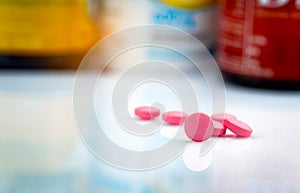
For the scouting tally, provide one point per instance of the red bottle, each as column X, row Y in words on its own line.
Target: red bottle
column 259, row 42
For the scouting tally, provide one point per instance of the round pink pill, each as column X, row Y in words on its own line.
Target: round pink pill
column 219, row 129
column 174, row 117
column 147, row 112
column 220, row 117
column 239, row 128
column 198, row 127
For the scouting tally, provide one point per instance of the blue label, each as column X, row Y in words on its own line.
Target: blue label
column 179, row 18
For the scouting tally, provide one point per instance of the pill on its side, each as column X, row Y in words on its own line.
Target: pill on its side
column 238, row 127
column 220, row 117
column 198, row 127
column 174, row 117
column 147, row 112
column 219, row 129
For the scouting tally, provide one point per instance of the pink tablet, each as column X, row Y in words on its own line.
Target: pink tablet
column 147, row 112
column 174, row 117
column 219, row 129
column 239, row 128
column 198, row 127
column 220, row 117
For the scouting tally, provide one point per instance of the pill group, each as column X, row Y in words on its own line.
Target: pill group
column 198, row 127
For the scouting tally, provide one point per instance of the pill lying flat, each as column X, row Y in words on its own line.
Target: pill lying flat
column 147, row 112
column 220, row 117
column 174, row 117
column 239, row 128
column 219, row 129
column 198, row 127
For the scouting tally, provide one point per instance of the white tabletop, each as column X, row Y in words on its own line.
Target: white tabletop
column 36, row 114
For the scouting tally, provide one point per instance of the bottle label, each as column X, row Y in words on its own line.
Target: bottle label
column 44, row 27
column 199, row 21
column 260, row 39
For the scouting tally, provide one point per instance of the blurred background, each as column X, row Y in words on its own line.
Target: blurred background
column 42, row 43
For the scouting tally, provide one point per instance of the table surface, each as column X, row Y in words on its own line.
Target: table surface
column 37, row 106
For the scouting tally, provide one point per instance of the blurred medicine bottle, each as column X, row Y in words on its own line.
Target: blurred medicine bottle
column 44, row 33
column 197, row 17
column 259, row 42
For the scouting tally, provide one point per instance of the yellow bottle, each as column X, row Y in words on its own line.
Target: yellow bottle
column 45, row 33
column 190, row 4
